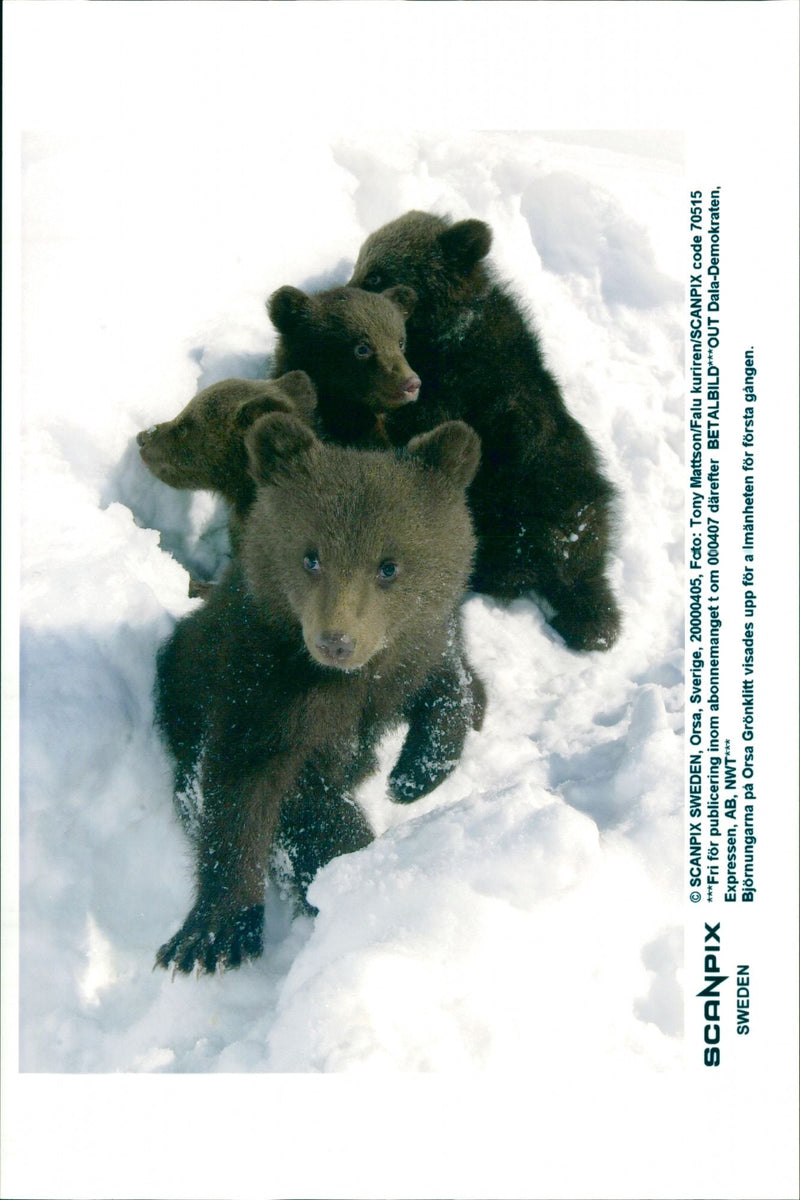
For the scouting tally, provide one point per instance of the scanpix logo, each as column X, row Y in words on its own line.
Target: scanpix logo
column 712, row 1053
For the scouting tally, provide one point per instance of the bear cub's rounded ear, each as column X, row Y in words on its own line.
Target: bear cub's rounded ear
column 274, row 443
column 453, row 448
column 465, row 244
column 287, row 307
column 300, row 390
column 293, row 393
column 250, row 410
column 405, row 298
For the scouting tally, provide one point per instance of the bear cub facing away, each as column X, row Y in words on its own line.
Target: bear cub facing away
column 338, row 619
column 540, row 503
column 352, row 344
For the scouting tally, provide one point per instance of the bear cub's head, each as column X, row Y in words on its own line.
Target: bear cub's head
column 203, row 447
column 350, row 342
column 441, row 260
column 366, row 551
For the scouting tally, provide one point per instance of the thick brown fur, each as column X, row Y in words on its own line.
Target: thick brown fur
column 541, row 505
column 352, row 344
column 338, row 620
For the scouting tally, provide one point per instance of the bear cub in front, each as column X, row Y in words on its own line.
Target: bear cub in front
column 338, row 620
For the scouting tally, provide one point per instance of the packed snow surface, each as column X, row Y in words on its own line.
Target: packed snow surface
column 527, row 913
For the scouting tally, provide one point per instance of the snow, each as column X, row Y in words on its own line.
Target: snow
column 533, row 900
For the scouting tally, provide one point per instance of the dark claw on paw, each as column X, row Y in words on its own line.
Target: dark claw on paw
column 209, row 944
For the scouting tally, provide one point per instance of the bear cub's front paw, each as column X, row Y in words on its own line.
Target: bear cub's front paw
column 591, row 622
column 411, row 780
column 216, row 938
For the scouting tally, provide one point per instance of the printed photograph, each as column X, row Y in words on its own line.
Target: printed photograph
column 352, row 604
column 399, row 623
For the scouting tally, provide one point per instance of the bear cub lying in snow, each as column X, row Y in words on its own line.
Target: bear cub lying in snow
column 338, row 619
column 352, row 344
column 540, row 503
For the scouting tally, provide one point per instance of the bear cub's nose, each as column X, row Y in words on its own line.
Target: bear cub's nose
column 338, row 647
column 412, row 386
column 144, row 437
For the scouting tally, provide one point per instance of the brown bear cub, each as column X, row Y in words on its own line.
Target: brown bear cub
column 352, row 344
column 540, row 503
column 338, row 619
column 203, row 447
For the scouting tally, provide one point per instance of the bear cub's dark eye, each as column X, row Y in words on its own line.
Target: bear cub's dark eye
column 373, row 279
column 387, row 571
column 311, row 563
column 363, row 350
column 402, row 343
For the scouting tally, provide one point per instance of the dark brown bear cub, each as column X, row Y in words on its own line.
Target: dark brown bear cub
column 540, row 503
column 352, row 344
column 338, row 620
